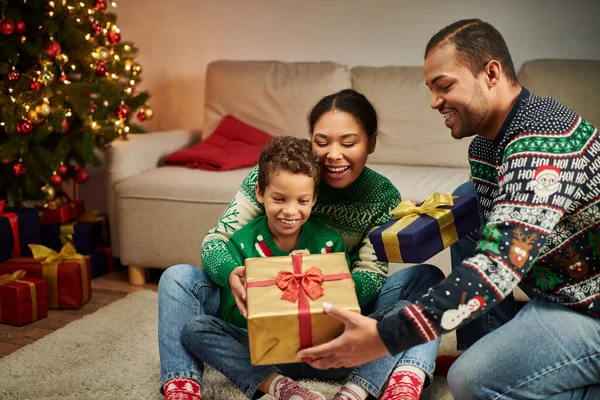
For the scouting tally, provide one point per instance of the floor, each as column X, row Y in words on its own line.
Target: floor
column 105, row 290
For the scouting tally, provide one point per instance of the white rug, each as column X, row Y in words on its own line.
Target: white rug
column 113, row 354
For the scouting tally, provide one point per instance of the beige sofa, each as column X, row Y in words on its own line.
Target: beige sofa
column 160, row 214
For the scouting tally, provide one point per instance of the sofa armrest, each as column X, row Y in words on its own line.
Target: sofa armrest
column 139, row 153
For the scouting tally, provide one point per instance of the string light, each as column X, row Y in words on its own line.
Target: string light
column 114, row 4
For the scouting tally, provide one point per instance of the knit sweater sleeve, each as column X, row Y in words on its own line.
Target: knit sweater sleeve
column 523, row 216
column 216, row 259
column 369, row 274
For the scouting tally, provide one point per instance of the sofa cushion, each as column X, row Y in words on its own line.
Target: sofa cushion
column 411, row 133
column 274, row 97
column 574, row 83
column 234, row 144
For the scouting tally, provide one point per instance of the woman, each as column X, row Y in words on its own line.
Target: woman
column 353, row 200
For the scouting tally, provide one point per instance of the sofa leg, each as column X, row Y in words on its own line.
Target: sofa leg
column 137, row 275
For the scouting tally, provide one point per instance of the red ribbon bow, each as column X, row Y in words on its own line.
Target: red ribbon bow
column 290, row 283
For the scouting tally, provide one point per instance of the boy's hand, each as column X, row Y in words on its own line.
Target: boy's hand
column 237, row 281
column 303, row 252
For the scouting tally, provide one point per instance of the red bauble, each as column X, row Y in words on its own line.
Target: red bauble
column 141, row 116
column 93, row 108
column 13, row 75
column 114, row 37
column 101, row 69
column 100, row 5
column 20, row 27
column 53, row 48
column 76, row 169
column 96, row 28
column 36, row 85
column 7, row 26
column 64, row 126
column 19, row 169
column 62, row 170
column 122, row 111
column 62, row 77
column 56, row 180
column 24, row 127
column 81, row 176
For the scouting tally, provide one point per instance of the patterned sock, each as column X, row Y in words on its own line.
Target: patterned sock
column 182, row 389
column 284, row 388
column 351, row 391
column 405, row 383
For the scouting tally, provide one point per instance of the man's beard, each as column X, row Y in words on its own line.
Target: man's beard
column 471, row 117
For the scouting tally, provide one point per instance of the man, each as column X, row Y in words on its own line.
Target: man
column 534, row 168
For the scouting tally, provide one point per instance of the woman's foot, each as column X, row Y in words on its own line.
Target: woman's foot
column 182, row 389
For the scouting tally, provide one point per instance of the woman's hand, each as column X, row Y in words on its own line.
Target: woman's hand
column 237, row 281
column 303, row 252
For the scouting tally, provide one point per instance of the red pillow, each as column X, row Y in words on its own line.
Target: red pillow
column 232, row 145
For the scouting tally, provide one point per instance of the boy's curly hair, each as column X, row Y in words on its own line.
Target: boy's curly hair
column 288, row 153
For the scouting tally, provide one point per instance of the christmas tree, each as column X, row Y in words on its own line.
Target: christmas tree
column 67, row 86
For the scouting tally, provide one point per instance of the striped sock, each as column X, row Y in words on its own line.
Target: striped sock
column 351, row 391
column 284, row 388
column 182, row 389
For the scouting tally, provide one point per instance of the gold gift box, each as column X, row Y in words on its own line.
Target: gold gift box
column 274, row 323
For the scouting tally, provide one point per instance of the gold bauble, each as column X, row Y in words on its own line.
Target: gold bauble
column 50, row 193
column 148, row 112
column 35, row 117
column 43, row 109
column 102, row 53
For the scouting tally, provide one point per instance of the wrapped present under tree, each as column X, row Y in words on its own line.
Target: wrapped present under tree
column 18, row 228
column 22, row 300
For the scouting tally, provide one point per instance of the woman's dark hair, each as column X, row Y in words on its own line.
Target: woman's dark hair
column 477, row 43
column 349, row 101
column 288, row 153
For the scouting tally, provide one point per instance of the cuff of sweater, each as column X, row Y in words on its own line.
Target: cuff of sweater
column 367, row 286
column 406, row 329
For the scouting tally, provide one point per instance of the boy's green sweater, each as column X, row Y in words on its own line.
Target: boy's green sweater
column 255, row 240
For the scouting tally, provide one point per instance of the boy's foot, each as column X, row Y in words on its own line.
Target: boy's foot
column 403, row 385
column 182, row 389
column 284, row 388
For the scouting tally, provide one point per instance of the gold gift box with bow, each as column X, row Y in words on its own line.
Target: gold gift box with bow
column 274, row 323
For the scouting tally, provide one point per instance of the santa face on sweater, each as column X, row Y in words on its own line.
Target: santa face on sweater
column 288, row 201
column 342, row 146
column 458, row 95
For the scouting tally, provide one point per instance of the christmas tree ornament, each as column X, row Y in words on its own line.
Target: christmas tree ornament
column 93, row 108
column 43, row 109
column 141, row 116
column 49, row 191
column 96, row 28
column 114, row 37
column 128, row 65
column 76, row 169
column 24, row 127
column 102, row 53
column 62, row 78
column 19, row 169
column 7, row 26
column 35, row 117
column 35, row 85
column 122, row 111
column 62, row 170
column 56, row 179
column 100, row 5
column 101, row 69
column 81, row 176
column 64, row 126
column 20, row 27
column 13, row 75
column 148, row 112
column 53, row 48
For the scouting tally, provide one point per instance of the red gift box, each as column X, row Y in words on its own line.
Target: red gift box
column 67, row 274
column 22, row 300
column 63, row 213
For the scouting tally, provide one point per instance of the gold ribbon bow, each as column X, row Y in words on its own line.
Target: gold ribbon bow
column 406, row 213
column 16, row 277
column 50, row 261
column 91, row 217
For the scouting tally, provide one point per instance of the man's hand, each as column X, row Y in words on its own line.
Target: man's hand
column 237, row 281
column 359, row 344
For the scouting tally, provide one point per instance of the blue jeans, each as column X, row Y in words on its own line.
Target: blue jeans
column 188, row 298
column 504, row 311
column 546, row 352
